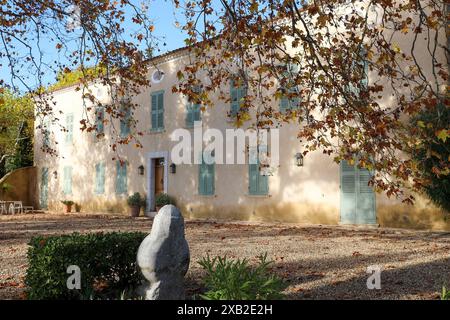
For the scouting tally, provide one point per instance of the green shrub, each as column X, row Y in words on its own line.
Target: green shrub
column 107, row 262
column 135, row 200
column 236, row 280
column 164, row 199
column 68, row 203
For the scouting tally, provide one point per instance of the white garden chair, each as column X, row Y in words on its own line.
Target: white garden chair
column 3, row 207
column 15, row 207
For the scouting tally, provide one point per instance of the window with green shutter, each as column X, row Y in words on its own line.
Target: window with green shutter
column 67, row 180
column 125, row 128
column 157, row 111
column 206, row 177
column 291, row 96
column 100, row 178
column 69, row 128
column 238, row 91
column 99, row 124
column 121, row 178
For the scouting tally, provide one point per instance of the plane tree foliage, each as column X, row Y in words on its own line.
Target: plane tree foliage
column 357, row 69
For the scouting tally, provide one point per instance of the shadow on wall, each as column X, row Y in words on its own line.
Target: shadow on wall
column 413, row 217
column 20, row 185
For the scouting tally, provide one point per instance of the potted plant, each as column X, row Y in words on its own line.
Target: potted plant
column 77, row 207
column 135, row 202
column 68, row 204
column 163, row 199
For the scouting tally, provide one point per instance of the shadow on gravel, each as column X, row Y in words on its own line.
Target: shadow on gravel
column 423, row 280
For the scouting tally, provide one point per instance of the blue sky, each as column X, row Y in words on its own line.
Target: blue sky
column 160, row 11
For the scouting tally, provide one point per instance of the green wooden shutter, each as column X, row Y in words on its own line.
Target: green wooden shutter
column 234, row 93
column 365, row 67
column 125, row 128
column 206, row 179
column 43, row 199
column 69, row 128
column 189, row 115
column 100, row 178
column 348, row 192
column 161, row 110
column 253, row 178
column 154, row 112
column 263, row 184
column 121, row 178
column 357, row 197
column 67, row 181
column 365, row 200
column 157, row 111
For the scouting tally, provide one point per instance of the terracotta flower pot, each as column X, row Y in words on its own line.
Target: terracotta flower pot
column 68, row 208
column 135, row 210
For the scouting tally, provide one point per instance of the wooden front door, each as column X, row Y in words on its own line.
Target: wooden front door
column 159, row 176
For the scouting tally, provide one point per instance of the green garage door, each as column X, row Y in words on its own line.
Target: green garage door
column 357, row 197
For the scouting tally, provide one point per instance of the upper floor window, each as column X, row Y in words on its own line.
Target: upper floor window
column 238, row 91
column 125, row 120
column 157, row 111
column 290, row 95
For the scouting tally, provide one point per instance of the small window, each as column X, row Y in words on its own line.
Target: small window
column 157, row 76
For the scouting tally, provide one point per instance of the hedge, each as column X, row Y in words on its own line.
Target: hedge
column 107, row 262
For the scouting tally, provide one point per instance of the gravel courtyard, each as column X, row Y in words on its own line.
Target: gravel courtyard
column 318, row 262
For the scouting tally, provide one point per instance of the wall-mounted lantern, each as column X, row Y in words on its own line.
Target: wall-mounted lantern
column 141, row 170
column 173, row 168
column 299, row 159
column 55, row 174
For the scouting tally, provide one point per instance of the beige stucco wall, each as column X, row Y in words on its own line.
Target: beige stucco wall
column 23, row 185
column 308, row 194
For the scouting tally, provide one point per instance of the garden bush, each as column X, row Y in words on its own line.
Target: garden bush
column 163, row 199
column 237, row 280
column 107, row 262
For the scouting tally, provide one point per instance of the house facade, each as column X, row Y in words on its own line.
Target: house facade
column 317, row 191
